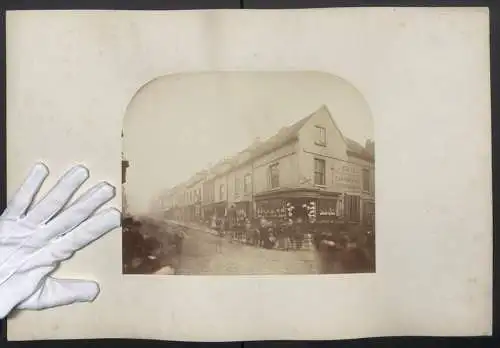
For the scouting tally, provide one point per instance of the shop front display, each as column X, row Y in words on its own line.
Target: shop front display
column 308, row 206
column 271, row 209
column 238, row 213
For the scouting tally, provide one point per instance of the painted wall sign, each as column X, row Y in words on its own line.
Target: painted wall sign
column 346, row 177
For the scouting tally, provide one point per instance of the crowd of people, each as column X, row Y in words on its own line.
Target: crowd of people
column 149, row 245
column 288, row 234
column 261, row 232
column 351, row 245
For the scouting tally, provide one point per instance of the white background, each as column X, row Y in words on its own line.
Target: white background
column 425, row 75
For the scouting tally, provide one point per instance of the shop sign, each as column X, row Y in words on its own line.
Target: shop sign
column 346, row 177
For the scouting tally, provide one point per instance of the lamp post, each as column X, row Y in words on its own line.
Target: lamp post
column 125, row 165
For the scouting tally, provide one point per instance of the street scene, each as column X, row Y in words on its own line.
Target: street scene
column 300, row 200
column 204, row 252
column 171, row 248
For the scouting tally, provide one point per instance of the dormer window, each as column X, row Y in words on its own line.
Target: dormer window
column 320, row 138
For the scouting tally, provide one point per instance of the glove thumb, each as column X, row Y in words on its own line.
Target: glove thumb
column 61, row 292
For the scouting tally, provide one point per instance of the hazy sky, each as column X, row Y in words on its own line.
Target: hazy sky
column 178, row 124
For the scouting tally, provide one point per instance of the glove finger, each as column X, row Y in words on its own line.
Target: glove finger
column 65, row 246
column 25, row 195
column 61, row 292
column 58, row 197
column 80, row 210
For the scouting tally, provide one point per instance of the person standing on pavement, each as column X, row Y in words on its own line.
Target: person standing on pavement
column 272, row 236
column 287, row 232
column 220, row 238
column 213, row 222
column 248, row 231
column 256, row 232
column 263, row 231
column 179, row 236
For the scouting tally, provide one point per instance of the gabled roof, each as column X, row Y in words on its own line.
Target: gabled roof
column 356, row 149
column 288, row 134
column 260, row 148
column 283, row 137
column 354, row 146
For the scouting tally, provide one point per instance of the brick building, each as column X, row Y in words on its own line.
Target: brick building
column 308, row 162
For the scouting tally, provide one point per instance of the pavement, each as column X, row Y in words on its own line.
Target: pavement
column 206, row 254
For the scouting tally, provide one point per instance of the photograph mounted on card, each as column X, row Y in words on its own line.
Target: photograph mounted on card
column 285, row 175
column 262, row 173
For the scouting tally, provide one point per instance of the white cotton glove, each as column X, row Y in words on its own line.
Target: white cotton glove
column 34, row 240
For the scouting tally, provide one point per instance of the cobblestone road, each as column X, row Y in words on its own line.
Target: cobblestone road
column 200, row 257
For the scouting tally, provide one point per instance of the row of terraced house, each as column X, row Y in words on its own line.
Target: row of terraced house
column 309, row 161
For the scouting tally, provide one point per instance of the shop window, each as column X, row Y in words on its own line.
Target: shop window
column 319, row 171
column 327, row 208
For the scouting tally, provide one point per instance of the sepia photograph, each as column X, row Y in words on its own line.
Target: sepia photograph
column 234, row 173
